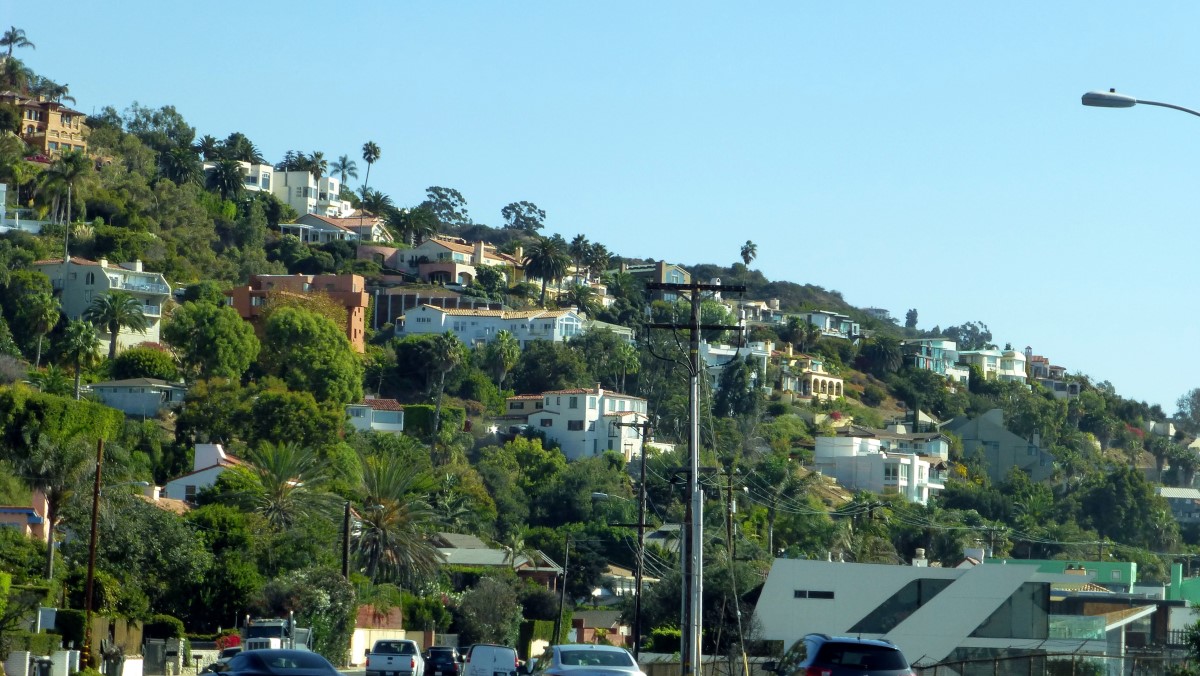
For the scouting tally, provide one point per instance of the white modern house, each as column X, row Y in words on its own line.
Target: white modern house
column 208, row 461
column 479, row 327
column 584, row 422
column 938, row 355
column 889, row 462
column 718, row 357
column 144, row 397
column 297, row 189
column 932, row 614
column 1006, row 365
column 833, row 324
column 79, row 281
column 377, row 415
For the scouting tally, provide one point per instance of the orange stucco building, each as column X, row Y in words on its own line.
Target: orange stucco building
column 48, row 127
column 348, row 290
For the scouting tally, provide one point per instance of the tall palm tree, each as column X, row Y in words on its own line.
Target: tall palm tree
column 226, row 178
column 444, row 353
column 208, row 146
column 579, row 249
column 78, row 348
column 317, row 164
column 749, row 252
column 501, row 356
column 288, row 485
column 370, row 155
column 63, row 179
column 547, row 259
column 42, row 312
column 597, row 259
column 393, row 539
column 15, row 37
column 114, row 311
column 345, row 168
column 57, row 464
column 583, row 297
column 413, row 225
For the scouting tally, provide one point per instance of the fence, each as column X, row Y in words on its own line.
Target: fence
column 1146, row 664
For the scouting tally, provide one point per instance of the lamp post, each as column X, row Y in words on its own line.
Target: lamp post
column 1111, row 99
column 562, row 597
column 641, row 554
column 92, row 537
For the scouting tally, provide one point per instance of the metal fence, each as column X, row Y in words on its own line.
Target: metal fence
column 1148, row 664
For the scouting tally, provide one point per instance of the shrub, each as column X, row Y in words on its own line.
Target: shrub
column 163, row 626
column 70, row 624
column 144, row 362
column 873, row 396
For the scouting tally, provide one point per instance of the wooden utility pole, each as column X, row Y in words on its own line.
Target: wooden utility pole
column 89, row 587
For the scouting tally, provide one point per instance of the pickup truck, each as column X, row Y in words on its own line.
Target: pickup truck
column 395, row 657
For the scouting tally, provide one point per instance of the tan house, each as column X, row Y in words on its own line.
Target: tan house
column 28, row 520
column 804, row 376
column 48, row 127
column 446, row 260
column 348, row 290
column 79, row 281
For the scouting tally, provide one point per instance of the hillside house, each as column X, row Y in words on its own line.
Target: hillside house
column 208, row 462
column 804, row 376
column 660, row 273
column 888, row 462
column 346, row 290
column 938, row 355
column 479, row 327
column 140, row 397
column 79, row 281
column 833, row 324
column 48, row 127
column 377, row 415
column 584, row 422
column 1001, row 450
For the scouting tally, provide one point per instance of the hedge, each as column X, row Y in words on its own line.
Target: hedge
column 418, row 419
column 163, row 626
column 38, row 644
column 70, row 623
column 22, row 407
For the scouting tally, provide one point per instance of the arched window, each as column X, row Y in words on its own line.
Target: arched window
column 90, row 278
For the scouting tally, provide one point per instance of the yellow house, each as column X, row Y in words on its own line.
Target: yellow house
column 47, row 127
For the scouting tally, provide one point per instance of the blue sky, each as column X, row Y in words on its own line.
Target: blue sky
column 929, row 155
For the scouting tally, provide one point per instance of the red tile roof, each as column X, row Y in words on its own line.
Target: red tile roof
column 58, row 261
column 382, row 404
column 526, row 396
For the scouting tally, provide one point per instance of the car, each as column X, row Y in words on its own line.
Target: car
column 278, row 662
column 585, row 659
column 395, row 657
column 825, row 655
column 223, row 658
column 486, row 659
column 442, row 661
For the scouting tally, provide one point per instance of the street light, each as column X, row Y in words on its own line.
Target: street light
column 641, row 554
column 1111, row 99
column 91, row 568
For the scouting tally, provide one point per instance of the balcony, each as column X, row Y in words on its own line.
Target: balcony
column 142, row 287
column 152, row 310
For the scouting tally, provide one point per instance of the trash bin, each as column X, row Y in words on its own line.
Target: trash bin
column 40, row 666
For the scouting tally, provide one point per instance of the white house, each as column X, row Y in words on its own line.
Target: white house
column 938, row 355
column 1006, row 366
column 717, row 357
column 932, row 614
column 584, row 422
column 833, row 324
column 889, row 462
column 208, row 461
column 379, row 415
column 308, row 195
column 144, row 397
column 455, row 262
column 479, row 327
column 79, row 281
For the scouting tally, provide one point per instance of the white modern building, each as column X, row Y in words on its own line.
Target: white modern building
column 718, row 357
column 938, row 355
column 1004, row 365
column 888, row 462
column 479, row 327
column 208, row 461
column 377, row 415
column 584, row 422
column 932, row 614
column 79, row 281
column 297, row 189
column 833, row 324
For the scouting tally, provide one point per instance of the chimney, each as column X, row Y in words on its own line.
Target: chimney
column 519, row 254
column 103, row 262
column 477, row 253
column 137, row 265
column 919, row 559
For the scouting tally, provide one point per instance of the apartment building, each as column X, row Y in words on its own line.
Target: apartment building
column 347, row 290
column 79, row 281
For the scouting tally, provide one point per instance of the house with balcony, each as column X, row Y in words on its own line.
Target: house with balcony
column 889, row 462
column 450, row 261
column 347, row 290
column 309, row 195
column 1050, row 376
column 377, row 415
column 584, row 422
column 1001, row 451
column 660, row 272
column 392, row 302
column 1007, row 365
column 938, row 355
column 479, row 327
column 208, row 462
column 79, row 281
column 803, row 376
column 833, row 324
column 48, row 127
column 139, row 397
column 717, row 358
column 367, row 228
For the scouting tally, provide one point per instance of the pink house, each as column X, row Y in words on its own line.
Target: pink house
column 29, row 520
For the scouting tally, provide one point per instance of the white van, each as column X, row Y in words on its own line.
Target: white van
column 485, row 659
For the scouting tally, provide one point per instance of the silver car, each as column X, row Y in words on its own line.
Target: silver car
column 586, row 660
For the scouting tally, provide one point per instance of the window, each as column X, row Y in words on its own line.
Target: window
column 573, row 402
column 189, row 493
column 547, row 422
column 890, row 473
column 811, row 594
column 357, row 413
column 516, row 406
column 575, row 425
column 90, row 278
column 591, row 403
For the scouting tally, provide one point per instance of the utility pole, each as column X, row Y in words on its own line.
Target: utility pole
column 563, row 593
column 346, row 542
column 641, row 531
column 91, row 568
column 689, row 648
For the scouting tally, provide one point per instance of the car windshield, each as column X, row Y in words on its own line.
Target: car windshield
column 596, row 658
column 862, row 656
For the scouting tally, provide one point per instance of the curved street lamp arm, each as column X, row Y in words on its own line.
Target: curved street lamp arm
column 1168, row 105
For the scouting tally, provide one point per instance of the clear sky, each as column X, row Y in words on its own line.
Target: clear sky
column 928, row 155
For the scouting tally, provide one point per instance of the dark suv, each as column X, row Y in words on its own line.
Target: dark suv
column 824, row 655
column 442, row 661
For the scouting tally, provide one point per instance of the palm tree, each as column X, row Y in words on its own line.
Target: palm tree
column 444, row 353
column 373, row 201
column 52, row 380
column 63, row 178
column 548, row 260
column 749, row 252
column 317, row 164
column 226, row 178
column 583, row 297
column 15, row 37
column 597, row 259
column 57, row 464
column 517, row 547
column 179, row 165
column 501, row 356
column 237, row 146
column 414, row 225
column 208, row 146
column 883, row 355
column 114, row 311
column 42, row 312
column 345, row 168
column 579, row 248
column 370, row 155
column 78, row 348
column 392, row 539
column 288, row 485
column 15, row 75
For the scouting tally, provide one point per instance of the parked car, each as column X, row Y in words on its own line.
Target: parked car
column 276, row 662
column 395, row 657
column 580, row 659
column 442, row 661
column 485, row 659
column 223, row 658
column 824, row 655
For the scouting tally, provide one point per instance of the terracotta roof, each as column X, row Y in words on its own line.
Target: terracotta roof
column 488, row 250
column 168, row 504
column 381, row 404
column 592, row 391
column 526, row 396
column 502, row 314
column 58, row 261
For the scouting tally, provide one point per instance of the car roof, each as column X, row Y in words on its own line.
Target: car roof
column 591, row 646
column 882, row 643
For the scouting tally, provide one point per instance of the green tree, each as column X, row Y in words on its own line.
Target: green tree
column 501, row 355
column 114, row 311
column 211, row 341
column 144, row 362
column 392, row 542
column 226, row 179
column 444, row 353
column 41, row 311
column 910, row 319
column 749, row 252
column 524, row 216
column 882, row 355
column 582, row 298
column 370, row 155
column 546, row 366
column 310, row 353
column 63, row 181
column 14, row 38
column 58, row 463
column 490, row 612
column 78, row 348
column 287, row 485
column 345, row 168
column 579, row 249
column 547, row 260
